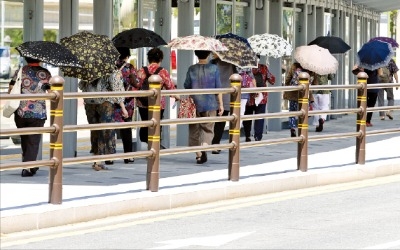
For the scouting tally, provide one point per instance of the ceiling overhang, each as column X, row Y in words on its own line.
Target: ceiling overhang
column 377, row 5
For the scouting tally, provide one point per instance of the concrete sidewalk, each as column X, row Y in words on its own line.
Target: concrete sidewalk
column 90, row 195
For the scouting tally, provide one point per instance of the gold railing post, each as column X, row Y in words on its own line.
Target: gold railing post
column 234, row 129
column 361, row 117
column 56, row 140
column 153, row 163
column 302, row 146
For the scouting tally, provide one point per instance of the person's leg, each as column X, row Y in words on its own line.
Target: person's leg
column 323, row 104
column 259, row 123
column 93, row 118
column 390, row 99
column 371, row 101
column 206, row 134
column 107, row 143
column 219, row 128
column 126, row 137
column 19, row 123
column 381, row 102
column 247, row 124
column 143, row 131
column 32, row 143
column 194, row 137
column 207, row 129
column 293, row 106
column 316, row 106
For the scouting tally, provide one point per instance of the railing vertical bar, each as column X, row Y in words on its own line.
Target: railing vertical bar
column 361, row 117
column 153, row 163
column 56, row 141
column 234, row 129
column 303, row 102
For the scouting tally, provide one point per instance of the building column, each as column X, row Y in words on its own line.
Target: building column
column 102, row 17
column 68, row 25
column 311, row 23
column 162, row 27
column 185, row 57
column 319, row 22
column 274, row 105
column 335, row 93
column 33, row 31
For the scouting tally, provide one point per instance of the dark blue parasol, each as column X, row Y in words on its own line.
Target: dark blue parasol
column 374, row 55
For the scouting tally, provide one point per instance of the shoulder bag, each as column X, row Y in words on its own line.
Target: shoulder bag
column 12, row 105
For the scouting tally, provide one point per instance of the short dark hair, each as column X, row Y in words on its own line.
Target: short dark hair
column 202, row 54
column 155, row 55
column 31, row 60
column 124, row 52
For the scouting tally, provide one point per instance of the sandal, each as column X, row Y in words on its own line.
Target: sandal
column 201, row 159
column 99, row 167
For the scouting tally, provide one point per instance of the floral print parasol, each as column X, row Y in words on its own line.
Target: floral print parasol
column 96, row 53
column 270, row 45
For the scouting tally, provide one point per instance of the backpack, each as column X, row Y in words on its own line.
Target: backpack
column 386, row 77
column 145, row 85
column 259, row 79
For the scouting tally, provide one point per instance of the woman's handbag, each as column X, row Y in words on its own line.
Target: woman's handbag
column 187, row 108
column 12, row 105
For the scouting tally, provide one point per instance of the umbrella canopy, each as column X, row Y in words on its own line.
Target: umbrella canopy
column 96, row 53
column 138, row 38
column 386, row 40
column 231, row 35
column 334, row 44
column 196, row 42
column 270, row 45
column 48, row 52
column 238, row 53
column 316, row 59
column 374, row 55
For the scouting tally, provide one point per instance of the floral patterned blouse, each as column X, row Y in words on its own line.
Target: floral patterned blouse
column 35, row 80
column 166, row 82
column 127, row 70
column 267, row 76
column 109, row 83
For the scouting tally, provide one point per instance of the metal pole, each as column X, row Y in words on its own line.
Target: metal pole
column 153, row 163
column 302, row 146
column 234, row 129
column 361, row 117
column 56, row 141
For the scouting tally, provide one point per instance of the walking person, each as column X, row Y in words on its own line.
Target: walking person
column 225, row 71
column 101, row 110
column 322, row 99
column 257, row 102
column 129, row 77
column 388, row 73
column 292, row 79
column 154, row 58
column 372, row 94
column 31, row 113
column 248, row 81
column 203, row 75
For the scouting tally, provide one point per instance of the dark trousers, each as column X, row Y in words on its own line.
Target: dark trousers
column 144, row 116
column 219, row 128
column 371, row 101
column 258, row 124
column 29, row 143
column 126, row 137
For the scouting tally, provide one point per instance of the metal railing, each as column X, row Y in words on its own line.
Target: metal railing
column 153, row 152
